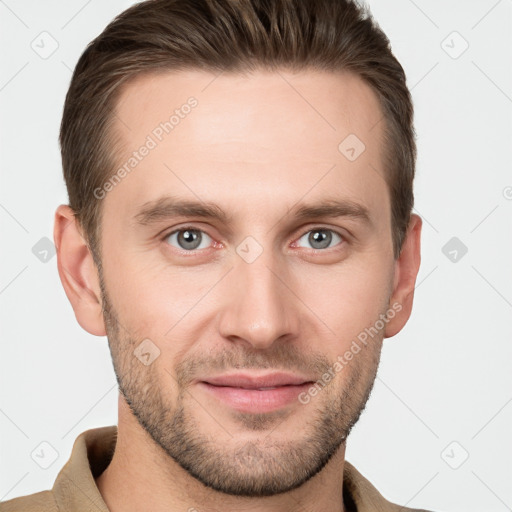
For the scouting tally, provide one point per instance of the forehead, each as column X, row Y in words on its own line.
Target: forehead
column 324, row 104
column 232, row 134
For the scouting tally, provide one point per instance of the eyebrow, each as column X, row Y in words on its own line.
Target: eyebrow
column 168, row 207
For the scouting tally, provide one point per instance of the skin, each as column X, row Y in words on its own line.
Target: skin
column 257, row 148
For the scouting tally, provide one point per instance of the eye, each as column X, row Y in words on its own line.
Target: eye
column 188, row 239
column 321, row 238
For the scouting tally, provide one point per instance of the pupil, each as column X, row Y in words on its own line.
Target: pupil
column 188, row 239
column 320, row 237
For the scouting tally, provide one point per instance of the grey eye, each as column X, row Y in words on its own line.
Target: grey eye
column 321, row 238
column 189, row 239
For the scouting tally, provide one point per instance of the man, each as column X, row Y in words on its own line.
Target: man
column 240, row 178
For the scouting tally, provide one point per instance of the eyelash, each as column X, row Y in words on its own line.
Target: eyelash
column 195, row 251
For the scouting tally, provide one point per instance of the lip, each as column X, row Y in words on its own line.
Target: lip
column 250, row 393
column 252, row 381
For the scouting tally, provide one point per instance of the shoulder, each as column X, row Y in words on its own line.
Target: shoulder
column 361, row 495
column 397, row 508
column 42, row 501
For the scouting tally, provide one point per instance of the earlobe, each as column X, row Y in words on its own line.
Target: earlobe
column 406, row 271
column 78, row 272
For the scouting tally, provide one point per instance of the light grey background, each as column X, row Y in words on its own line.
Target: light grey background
column 444, row 388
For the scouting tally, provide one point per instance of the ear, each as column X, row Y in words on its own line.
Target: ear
column 406, row 270
column 78, row 272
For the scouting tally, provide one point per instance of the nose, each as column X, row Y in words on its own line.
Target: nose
column 260, row 307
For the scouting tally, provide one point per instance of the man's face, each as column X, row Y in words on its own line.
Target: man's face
column 259, row 292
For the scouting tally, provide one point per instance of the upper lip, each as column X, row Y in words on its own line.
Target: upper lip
column 248, row 381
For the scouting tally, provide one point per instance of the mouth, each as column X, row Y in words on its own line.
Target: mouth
column 256, row 393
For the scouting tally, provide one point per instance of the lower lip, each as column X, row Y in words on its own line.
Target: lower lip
column 254, row 400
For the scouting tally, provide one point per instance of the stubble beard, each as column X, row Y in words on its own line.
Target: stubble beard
column 264, row 466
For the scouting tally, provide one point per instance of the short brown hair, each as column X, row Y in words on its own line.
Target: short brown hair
column 229, row 35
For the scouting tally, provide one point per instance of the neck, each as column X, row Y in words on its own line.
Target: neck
column 141, row 476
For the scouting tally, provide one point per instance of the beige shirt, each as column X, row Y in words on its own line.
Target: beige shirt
column 75, row 489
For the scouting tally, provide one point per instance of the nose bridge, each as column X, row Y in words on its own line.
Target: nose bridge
column 260, row 308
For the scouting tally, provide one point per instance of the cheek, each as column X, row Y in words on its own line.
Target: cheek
column 154, row 300
column 347, row 299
